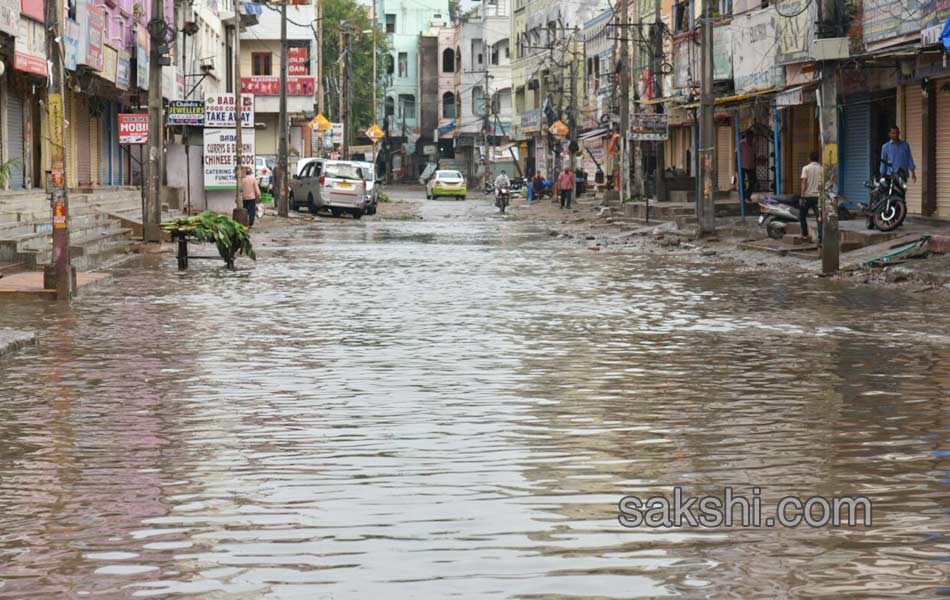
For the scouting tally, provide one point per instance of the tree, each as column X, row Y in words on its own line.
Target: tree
column 358, row 17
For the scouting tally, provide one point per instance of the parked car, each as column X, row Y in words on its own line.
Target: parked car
column 264, row 171
column 334, row 185
column 446, row 183
column 372, row 185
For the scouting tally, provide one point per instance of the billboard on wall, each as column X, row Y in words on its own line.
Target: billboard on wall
column 141, row 58
column 269, row 85
column 298, row 64
column 9, row 16
column 133, row 128
column 890, row 19
column 185, row 112
column 796, row 31
column 722, row 53
column 219, row 151
column 219, row 111
column 753, row 52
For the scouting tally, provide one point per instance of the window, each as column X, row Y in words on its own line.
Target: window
column 403, row 64
column 681, row 17
column 260, row 63
column 407, row 106
column 390, row 64
column 499, row 51
column 390, row 23
column 448, row 60
column 448, row 105
column 725, row 7
column 478, row 102
column 390, row 106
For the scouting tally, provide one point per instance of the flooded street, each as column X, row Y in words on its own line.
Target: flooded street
column 453, row 408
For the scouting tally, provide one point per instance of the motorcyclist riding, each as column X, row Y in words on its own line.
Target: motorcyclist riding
column 501, row 181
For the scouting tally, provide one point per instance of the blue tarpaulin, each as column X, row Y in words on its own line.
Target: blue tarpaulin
column 945, row 35
column 251, row 9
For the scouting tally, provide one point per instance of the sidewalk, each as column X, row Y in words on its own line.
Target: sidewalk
column 29, row 284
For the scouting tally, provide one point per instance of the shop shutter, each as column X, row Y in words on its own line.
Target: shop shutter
column 856, row 154
column 83, row 153
column 943, row 152
column 725, row 157
column 802, row 142
column 15, row 139
column 105, row 143
column 913, row 130
column 70, row 150
column 95, row 150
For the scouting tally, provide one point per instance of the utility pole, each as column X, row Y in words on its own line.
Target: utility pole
column 624, row 99
column 657, row 39
column 375, row 74
column 828, row 121
column 320, row 74
column 706, row 207
column 339, row 87
column 59, row 275
column 573, row 119
column 239, row 213
column 347, row 93
column 486, row 109
column 638, row 188
column 282, row 204
column 151, row 223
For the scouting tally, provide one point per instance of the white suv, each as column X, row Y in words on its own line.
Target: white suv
column 264, row 173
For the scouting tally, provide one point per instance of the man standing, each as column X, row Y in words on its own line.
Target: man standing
column 565, row 185
column 811, row 191
column 896, row 155
column 250, row 194
column 747, row 156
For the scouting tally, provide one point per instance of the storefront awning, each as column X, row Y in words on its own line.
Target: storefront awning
column 738, row 98
column 590, row 135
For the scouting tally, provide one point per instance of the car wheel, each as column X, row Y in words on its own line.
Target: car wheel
column 311, row 205
column 291, row 203
column 371, row 211
column 461, row 197
column 335, row 212
column 357, row 214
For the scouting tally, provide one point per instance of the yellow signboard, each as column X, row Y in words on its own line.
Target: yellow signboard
column 374, row 133
column 55, row 103
column 559, row 129
column 320, row 123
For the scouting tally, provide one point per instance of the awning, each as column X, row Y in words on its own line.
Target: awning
column 738, row 98
column 663, row 100
column 251, row 9
column 590, row 135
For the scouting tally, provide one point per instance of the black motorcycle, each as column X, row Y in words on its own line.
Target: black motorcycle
column 887, row 207
column 503, row 197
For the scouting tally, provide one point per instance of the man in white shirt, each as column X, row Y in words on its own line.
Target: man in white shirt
column 811, row 192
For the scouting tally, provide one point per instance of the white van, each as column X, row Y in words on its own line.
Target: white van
column 336, row 185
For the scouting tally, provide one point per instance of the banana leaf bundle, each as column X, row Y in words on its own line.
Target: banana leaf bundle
column 228, row 235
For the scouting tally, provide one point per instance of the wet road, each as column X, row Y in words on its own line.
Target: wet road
column 453, row 408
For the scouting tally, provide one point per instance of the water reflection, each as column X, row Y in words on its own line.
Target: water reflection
column 434, row 409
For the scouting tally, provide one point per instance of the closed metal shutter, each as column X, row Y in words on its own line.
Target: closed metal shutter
column 725, row 157
column 95, row 150
column 913, row 130
column 856, row 154
column 943, row 152
column 70, row 150
column 83, row 151
column 15, row 140
column 802, row 144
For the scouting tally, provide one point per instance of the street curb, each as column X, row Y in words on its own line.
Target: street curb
column 12, row 340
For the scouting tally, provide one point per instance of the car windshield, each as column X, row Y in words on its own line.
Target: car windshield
column 343, row 172
column 451, row 175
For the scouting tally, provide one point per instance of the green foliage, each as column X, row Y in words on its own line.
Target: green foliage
column 227, row 234
column 6, row 169
column 336, row 12
column 384, row 197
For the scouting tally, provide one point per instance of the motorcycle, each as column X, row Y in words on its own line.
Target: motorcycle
column 887, row 206
column 777, row 210
column 501, row 200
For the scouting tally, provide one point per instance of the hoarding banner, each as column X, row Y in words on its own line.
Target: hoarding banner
column 133, row 128
column 650, row 126
column 297, row 63
column 268, row 85
column 219, row 111
column 531, row 121
column 141, row 58
column 722, row 53
column 123, row 70
column 97, row 21
column 9, row 16
column 110, row 63
column 220, row 146
column 753, row 52
column 796, row 32
column 186, row 112
column 33, row 9
column 71, row 41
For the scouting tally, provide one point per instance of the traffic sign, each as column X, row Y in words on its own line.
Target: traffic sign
column 320, row 123
column 374, row 133
column 559, row 129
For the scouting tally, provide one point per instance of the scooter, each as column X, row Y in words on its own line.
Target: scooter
column 501, row 200
column 777, row 210
column 887, row 207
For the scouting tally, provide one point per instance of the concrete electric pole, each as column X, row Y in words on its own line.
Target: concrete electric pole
column 240, row 213
column 706, row 207
column 828, row 123
column 59, row 274
column 573, row 120
column 282, row 204
column 624, row 100
column 656, row 66
column 151, row 222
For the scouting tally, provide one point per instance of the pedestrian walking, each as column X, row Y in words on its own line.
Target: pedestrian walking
column 747, row 157
column 896, row 155
column 811, row 192
column 250, row 194
column 565, row 184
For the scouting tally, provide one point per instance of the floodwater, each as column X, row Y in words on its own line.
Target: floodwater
column 452, row 408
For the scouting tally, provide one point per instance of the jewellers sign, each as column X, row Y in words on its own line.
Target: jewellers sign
column 185, row 112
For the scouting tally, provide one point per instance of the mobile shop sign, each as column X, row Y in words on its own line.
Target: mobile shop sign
column 650, row 127
column 219, row 111
column 220, row 146
column 133, row 128
column 185, row 112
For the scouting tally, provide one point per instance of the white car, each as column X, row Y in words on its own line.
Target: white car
column 335, row 185
column 446, row 183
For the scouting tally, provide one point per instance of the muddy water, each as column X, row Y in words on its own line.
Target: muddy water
column 454, row 409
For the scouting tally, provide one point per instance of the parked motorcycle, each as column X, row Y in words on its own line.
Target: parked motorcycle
column 887, row 206
column 777, row 210
column 503, row 197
